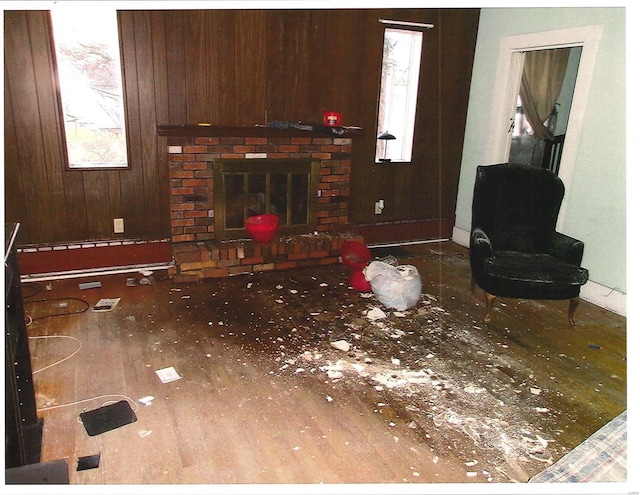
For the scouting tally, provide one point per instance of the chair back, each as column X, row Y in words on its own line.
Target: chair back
column 516, row 205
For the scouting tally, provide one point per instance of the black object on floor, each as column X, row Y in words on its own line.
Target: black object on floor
column 88, row 462
column 395, row 251
column 107, row 418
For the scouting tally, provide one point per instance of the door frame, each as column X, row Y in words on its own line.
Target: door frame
column 507, row 85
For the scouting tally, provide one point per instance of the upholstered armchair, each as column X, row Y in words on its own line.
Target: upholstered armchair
column 514, row 249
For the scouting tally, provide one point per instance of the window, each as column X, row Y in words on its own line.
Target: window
column 90, row 82
column 398, row 94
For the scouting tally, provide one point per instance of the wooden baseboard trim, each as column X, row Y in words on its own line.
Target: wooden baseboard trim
column 405, row 231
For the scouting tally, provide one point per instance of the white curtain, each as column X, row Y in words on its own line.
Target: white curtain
column 542, row 78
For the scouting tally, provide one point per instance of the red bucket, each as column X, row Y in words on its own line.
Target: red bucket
column 262, row 228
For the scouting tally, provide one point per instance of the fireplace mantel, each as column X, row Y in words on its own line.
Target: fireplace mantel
column 247, row 131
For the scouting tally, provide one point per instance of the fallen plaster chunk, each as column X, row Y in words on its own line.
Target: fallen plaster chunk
column 535, row 391
column 472, row 389
column 334, row 374
column 544, row 442
column 548, row 460
column 401, row 379
column 341, row 345
column 358, row 367
column 376, row 314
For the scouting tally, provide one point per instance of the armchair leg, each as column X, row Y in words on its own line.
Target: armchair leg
column 489, row 298
column 573, row 304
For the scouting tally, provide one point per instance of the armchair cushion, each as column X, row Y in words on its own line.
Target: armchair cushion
column 531, row 276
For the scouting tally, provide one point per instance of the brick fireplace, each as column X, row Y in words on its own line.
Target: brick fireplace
column 191, row 152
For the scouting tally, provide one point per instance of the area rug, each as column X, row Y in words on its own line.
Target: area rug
column 600, row 458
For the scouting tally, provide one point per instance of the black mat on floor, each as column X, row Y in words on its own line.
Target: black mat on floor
column 395, row 251
column 108, row 417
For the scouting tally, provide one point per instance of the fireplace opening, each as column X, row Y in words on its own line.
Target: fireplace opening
column 246, row 187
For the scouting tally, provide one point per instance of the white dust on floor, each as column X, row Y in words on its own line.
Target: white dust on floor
column 438, row 396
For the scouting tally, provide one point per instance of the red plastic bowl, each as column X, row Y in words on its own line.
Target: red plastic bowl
column 262, row 228
column 355, row 254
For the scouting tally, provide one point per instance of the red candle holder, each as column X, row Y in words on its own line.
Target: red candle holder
column 332, row 119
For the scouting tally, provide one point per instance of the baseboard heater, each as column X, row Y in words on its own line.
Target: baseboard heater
column 92, row 272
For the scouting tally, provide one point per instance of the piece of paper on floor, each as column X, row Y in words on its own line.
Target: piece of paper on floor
column 106, row 304
column 167, row 375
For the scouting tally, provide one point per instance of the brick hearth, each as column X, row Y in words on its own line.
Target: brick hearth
column 191, row 151
column 208, row 259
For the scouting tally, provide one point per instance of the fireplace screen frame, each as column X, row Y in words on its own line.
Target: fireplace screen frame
column 247, row 171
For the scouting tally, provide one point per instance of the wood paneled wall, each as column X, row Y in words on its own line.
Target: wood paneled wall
column 237, row 68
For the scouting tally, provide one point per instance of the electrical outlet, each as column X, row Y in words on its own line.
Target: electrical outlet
column 378, row 207
column 118, row 225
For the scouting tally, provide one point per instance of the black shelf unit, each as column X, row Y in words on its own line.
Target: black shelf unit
column 23, row 428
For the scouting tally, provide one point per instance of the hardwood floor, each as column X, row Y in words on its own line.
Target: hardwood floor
column 430, row 395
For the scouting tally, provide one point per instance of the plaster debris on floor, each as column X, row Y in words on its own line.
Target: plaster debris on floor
column 413, row 358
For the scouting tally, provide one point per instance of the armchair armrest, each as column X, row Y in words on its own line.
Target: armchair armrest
column 566, row 248
column 480, row 248
column 481, row 243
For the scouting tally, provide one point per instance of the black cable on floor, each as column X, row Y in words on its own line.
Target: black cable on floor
column 36, row 288
column 85, row 307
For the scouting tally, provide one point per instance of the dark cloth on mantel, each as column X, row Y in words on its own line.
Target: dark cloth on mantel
column 284, row 125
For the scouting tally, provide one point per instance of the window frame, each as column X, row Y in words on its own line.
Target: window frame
column 61, row 113
column 408, row 27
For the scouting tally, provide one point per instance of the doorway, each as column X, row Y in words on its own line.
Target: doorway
column 507, row 85
column 526, row 145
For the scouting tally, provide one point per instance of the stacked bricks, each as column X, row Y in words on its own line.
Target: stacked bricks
column 191, row 158
column 207, row 259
